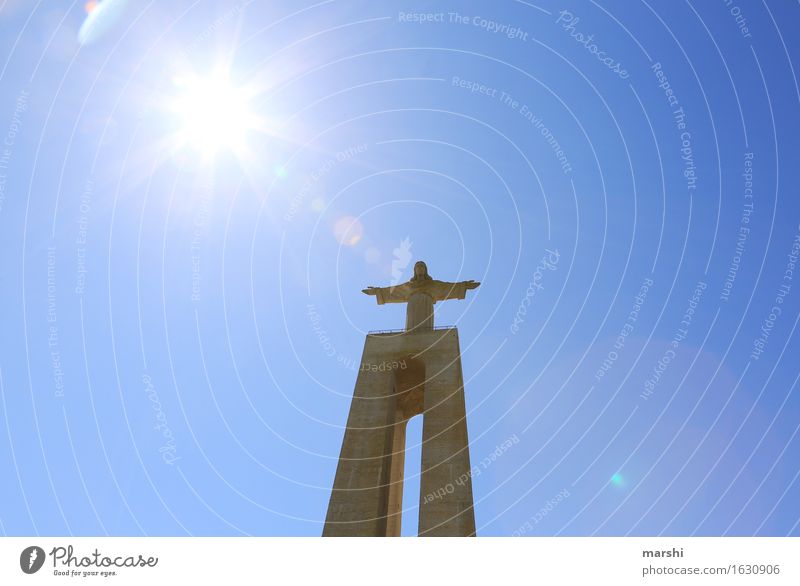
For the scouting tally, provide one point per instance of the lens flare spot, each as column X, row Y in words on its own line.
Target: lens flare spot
column 618, row 480
column 101, row 18
column 348, row 231
column 317, row 204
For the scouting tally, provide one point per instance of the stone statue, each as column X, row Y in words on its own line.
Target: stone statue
column 421, row 292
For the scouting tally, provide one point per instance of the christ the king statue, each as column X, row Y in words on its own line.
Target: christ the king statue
column 420, row 293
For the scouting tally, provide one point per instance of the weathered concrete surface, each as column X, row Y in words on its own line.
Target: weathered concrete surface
column 367, row 492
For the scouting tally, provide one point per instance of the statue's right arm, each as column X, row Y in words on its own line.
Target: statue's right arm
column 396, row 294
column 380, row 293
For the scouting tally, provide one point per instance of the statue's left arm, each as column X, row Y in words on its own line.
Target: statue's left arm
column 442, row 290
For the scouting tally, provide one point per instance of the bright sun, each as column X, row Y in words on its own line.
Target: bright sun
column 214, row 114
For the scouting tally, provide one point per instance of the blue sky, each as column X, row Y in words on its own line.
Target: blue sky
column 182, row 331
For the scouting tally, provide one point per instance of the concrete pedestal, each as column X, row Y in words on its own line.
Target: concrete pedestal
column 402, row 375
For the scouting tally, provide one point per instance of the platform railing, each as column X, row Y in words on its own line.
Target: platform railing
column 419, row 331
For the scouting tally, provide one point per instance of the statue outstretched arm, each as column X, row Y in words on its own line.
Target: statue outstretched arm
column 396, row 294
column 442, row 290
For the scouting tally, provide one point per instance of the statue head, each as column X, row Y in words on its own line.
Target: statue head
column 420, row 272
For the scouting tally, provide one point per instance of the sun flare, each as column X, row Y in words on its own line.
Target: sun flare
column 214, row 114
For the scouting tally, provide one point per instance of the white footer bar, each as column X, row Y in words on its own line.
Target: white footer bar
column 266, row 560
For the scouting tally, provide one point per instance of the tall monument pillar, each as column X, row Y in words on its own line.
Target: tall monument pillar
column 403, row 374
